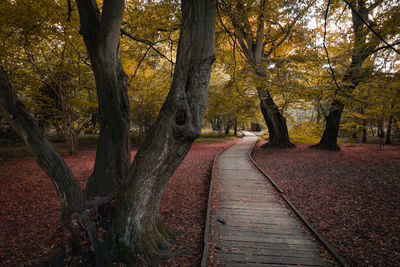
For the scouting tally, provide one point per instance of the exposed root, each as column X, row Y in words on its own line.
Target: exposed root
column 156, row 241
column 154, row 245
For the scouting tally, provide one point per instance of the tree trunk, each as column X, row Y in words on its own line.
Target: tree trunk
column 235, row 126
column 101, row 36
column 252, row 45
column 137, row 225
column 389, row 130
column 364, row 131
column 276, row 123
column 214, row 124
column 331, row 132
column 227, row 128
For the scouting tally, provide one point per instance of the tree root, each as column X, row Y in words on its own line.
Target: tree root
column 155, row 244
column 156, row 241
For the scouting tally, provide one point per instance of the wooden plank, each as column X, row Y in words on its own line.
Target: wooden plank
column 313, row 261
column 275, row 233
column 256, row 220
column 263, row 245
column 261, row 234
column 271, row 240
column 253, row 213
column 283, row 252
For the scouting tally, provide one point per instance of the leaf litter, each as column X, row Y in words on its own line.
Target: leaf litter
column 351, row 196
column 30, row 213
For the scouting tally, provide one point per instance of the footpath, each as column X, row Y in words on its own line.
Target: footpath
column 252, row 226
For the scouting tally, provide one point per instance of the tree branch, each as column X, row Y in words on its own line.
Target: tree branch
column 238, row 34
column 385, row 47
column 326, row 49
column 69, row 192
column 138, row 65
column 89, row 15
column 111, row 20
column 289, row 30
column 371, row 29
column 138, row 39
column 150, row 43
column 69, row 10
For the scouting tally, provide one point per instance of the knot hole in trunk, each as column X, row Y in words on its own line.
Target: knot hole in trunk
column 180, row 117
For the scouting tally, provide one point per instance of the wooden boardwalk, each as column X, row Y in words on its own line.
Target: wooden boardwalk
column 252, row 226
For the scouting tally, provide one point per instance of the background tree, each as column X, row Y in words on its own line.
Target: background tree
column 364, row 43
column 258, row 33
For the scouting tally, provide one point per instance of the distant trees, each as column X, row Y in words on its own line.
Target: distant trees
column 44, row 55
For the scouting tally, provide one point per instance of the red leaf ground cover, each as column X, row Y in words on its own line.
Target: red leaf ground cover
column 30, row 212
column 351, row 196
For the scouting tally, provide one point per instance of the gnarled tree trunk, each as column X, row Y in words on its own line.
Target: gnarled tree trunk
column 330, row 136
column 276, row 123
column 101, row 36
column 170, row 138
column 127, row 221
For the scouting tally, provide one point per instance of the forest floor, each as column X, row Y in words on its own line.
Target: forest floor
column 351, row 196
column 30, row 212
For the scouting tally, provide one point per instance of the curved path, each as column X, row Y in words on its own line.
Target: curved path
column 253, row 227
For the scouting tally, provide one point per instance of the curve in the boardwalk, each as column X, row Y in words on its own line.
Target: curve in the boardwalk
column 253, row 226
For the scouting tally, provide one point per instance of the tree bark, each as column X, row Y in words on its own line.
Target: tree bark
column 227, row 128
column 276, row 123
column 389, row 130
column 214, row 124
column 101, row 36
column 235, row 127
column 331, row 132
column 364, row 131
column 137, row 226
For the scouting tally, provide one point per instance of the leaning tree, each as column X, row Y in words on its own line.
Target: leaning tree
column 122, row 199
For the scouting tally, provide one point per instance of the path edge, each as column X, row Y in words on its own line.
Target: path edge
column 340, row 260
column 206, row 243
